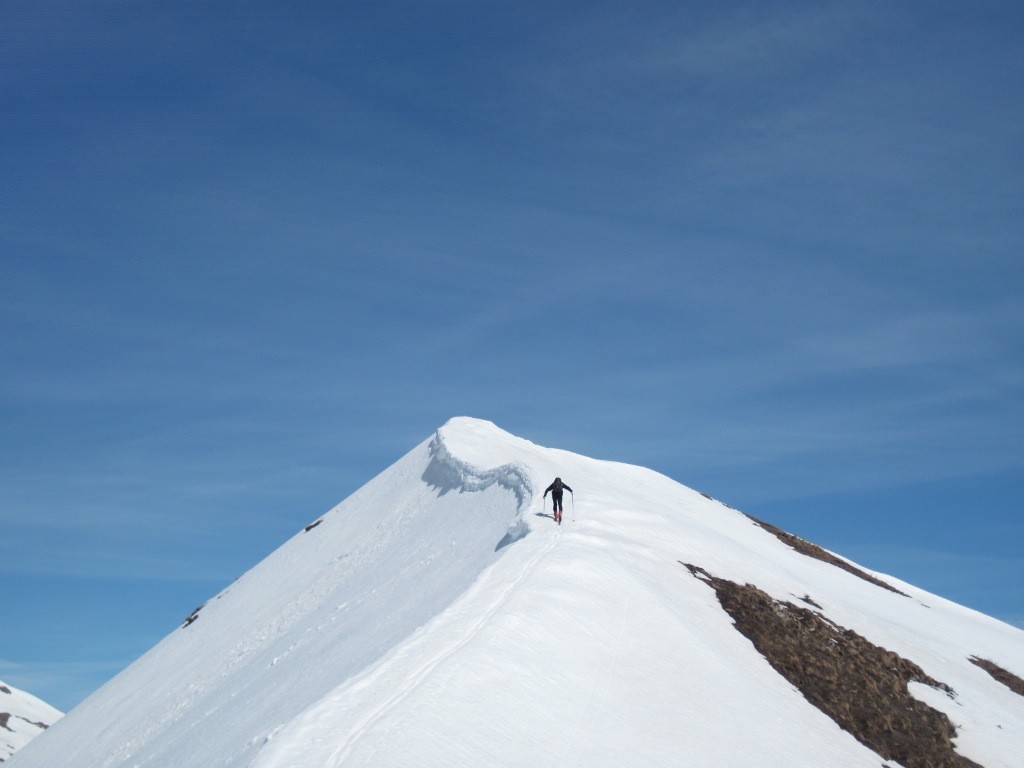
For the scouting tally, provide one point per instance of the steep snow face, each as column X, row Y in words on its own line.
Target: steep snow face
column 322, row 608
column 439, row 617
column 22, row 718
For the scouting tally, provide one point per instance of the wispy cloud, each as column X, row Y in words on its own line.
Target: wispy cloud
column 771, row 249
column 755, row 41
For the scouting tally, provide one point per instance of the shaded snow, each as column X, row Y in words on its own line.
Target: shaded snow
column 435, row 617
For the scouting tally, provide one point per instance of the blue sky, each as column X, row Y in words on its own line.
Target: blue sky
column 251, row 254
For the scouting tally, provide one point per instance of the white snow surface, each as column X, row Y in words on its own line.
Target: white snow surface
column 439, row 617
column 22, row 718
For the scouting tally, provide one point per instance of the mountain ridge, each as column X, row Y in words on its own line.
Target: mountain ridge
column 438, row 616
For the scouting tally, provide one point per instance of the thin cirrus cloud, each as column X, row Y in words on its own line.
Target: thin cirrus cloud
column 249, row 261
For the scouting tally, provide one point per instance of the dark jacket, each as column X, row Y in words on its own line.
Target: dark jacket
column 556, row 488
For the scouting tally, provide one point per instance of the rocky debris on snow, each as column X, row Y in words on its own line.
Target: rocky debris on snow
column 193, row 616
column 1008, row 679
column 810, row 601
column 5, row 719
column 312, row 525
column 19, row 727
column 805, row 547
column 861, row 686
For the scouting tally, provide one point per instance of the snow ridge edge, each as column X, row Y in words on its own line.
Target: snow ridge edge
column 448, row 473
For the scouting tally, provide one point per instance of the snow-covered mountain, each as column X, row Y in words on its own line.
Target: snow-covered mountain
column 439, row 617
column 22, row 718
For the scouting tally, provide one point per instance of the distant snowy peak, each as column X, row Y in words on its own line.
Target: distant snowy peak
column 22, row 718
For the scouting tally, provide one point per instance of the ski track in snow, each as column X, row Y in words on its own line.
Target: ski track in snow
column 391, row 668
column 417, row 676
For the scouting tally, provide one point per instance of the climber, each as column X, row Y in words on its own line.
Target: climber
column 556, row 497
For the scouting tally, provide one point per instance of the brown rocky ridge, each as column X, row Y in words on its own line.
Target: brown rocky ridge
column 861, row 686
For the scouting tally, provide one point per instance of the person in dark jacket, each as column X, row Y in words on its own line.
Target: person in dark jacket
column 556, row 489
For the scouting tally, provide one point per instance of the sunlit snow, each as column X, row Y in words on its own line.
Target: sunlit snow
column 439, row 617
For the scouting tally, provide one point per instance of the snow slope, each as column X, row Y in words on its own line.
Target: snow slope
column 438, row 617
column 22, row 718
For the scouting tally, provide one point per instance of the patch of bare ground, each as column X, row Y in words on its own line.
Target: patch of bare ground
column 861, row 686
column 1008, row 679
column 805, row 547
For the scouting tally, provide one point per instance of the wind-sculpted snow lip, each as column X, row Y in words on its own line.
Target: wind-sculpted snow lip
column 448, row 473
